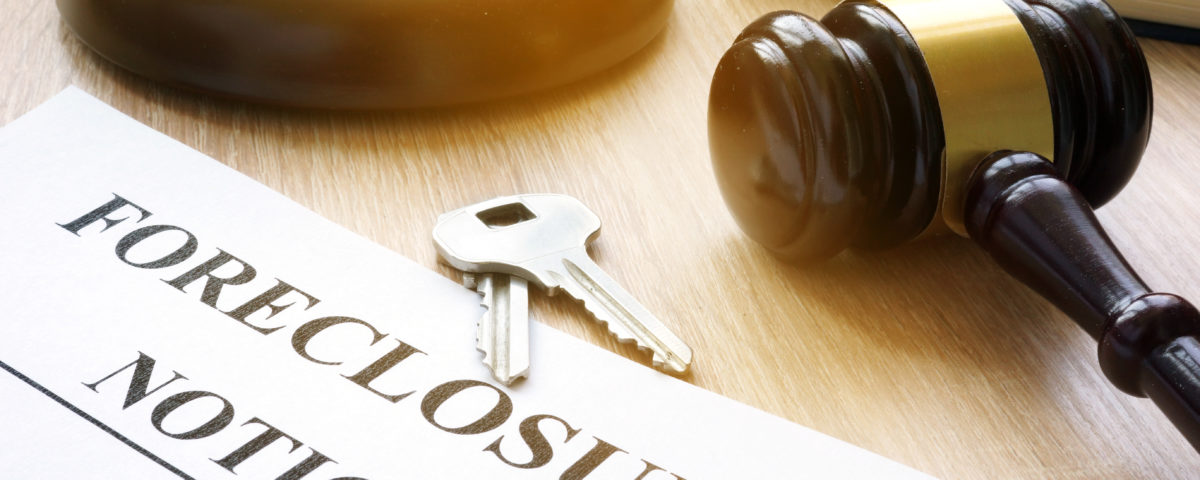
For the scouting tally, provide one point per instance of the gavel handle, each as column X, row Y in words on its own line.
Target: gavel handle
column 1043, row 232
column 1171, row 377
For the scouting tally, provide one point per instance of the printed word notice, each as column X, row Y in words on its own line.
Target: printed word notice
column 167, row 317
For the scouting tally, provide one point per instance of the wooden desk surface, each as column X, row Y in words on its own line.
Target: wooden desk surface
column 928, row 354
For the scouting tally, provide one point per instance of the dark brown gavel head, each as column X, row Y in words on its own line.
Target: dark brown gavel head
column 1007, row 121
column 863, row 129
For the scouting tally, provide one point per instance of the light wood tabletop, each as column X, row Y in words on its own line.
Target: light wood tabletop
column 928, row 354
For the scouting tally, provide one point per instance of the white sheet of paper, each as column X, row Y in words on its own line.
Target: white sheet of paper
column 86, row 307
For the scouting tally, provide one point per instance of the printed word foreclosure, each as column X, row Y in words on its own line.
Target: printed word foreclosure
column 155, row 247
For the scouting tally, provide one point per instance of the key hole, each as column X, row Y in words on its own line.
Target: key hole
column 505, row 215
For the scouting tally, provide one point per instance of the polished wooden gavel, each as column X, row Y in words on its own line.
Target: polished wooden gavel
column 1007, row 121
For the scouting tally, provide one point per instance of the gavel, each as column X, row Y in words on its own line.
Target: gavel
column 1005, row 121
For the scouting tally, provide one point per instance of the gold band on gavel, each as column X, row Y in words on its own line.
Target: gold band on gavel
column 989, row 83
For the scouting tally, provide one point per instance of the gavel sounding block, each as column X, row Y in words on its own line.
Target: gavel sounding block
column 365, row 54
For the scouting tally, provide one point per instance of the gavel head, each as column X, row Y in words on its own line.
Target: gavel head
column 864, row 129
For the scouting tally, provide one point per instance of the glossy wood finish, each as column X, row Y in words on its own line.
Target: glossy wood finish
column 927, row 353
column 811, row 122
column 366, row 54
column 904, row 175
column 1042, row 231
column 809, row 167
column 1100, row 91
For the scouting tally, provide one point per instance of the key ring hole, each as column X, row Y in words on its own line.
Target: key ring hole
column 505, row 215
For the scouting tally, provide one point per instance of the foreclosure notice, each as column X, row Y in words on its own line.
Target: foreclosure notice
column 167, row 317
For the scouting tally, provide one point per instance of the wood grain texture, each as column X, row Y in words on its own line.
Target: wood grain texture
column 927, row 354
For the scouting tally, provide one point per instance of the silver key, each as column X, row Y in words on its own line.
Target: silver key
column 503, row 331
column 543, row 238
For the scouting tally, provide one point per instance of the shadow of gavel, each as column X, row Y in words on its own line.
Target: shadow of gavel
column 1006, row 121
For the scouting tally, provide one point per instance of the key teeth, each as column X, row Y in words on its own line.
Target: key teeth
column 657, row 361
column 485, row 301
column 488, row 362
column 487, row 356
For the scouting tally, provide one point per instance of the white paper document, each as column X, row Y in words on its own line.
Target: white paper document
column 168, row 317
